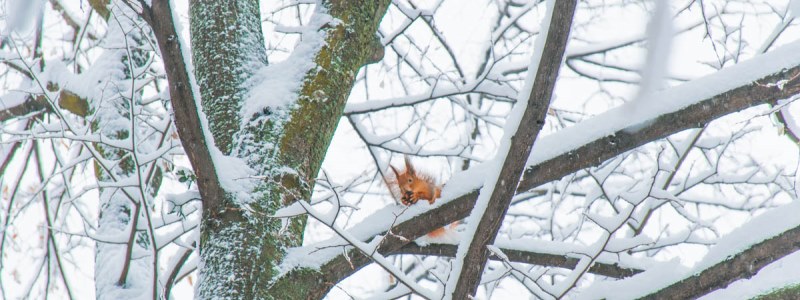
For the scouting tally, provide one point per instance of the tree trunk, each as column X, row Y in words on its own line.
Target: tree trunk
column 240, row 245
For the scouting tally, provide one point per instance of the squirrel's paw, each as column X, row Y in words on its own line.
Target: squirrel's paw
column 409, row 198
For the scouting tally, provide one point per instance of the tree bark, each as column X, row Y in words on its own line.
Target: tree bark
column 591, row 154
column 315, row 284
column 533, row 258
column 241, row 247
column 491, row 217
column 743, row 265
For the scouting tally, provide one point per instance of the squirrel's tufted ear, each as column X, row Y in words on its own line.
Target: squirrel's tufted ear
column 396, row 174
column 409, row 166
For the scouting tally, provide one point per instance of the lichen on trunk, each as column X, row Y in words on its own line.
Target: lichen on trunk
column 241, row 246
column 227, row 46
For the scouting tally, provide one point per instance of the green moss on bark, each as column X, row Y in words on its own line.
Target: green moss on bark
column 241, row 247
column 786, row 293
column 228, row 47
column 350, row 45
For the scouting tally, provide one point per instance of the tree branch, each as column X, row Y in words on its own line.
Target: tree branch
column 29, row 106
column 743, row 265
column 534, row 258
column 692, row 116
column 344, row 265
column 491, row 216
column 588, row 155
column 187, row 119
column 172, row 279
column 232, row 240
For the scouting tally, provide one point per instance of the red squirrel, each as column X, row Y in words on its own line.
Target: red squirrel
column 411, row 185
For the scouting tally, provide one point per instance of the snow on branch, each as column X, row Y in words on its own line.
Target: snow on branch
column 455, row 206
column 530, row 256
column 369, row 249
column 732, row 88
column 740, row 254
column 522, row 128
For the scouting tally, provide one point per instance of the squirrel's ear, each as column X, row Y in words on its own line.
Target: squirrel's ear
column 409, row 166
column 396, row 174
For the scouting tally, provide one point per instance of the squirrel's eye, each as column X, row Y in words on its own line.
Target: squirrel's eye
column 410, row 180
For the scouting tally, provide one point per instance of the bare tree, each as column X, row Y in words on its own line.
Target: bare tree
column 580, row 158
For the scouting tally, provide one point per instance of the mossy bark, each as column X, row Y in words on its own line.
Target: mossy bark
column 227, row 46
column 241, row 247
column 786, row 293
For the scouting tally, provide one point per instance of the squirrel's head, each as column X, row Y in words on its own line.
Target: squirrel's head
column 406, row 181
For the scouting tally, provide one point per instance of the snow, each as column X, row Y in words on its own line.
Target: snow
column 572, row 250
column 278, row 84
column 770, row 224
column 101, row 84
column 659, row 41
column 176, row 230
column 315, row 255
column 497, row 252
column 20, row 15
column 294, row 209
column 479, row 85
column 611, row 223
column 623, row 244
column 791, row 111
column 368, row 249
column 778, row 274
column 495, row 165
column 794, row 7
column 661, row 275
column 12, row 99
column 275, row 91
column 663, row 102
column 235, row 176
column 633, row 287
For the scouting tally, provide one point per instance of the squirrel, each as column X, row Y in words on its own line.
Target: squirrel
column 410, row 185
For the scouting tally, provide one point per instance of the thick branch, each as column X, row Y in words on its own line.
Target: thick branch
column 227, row 50
column 692, row 116
column 187, row 120
column 591, row 154
column 343, row 266
column 521, row 143
column 66, row 100
column 742, row 265
column 29, row 106
column 231, row 244
column 542, row 259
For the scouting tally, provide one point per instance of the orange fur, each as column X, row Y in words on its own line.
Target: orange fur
column 410, row 185
column 437, row 232
column 442, row 230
